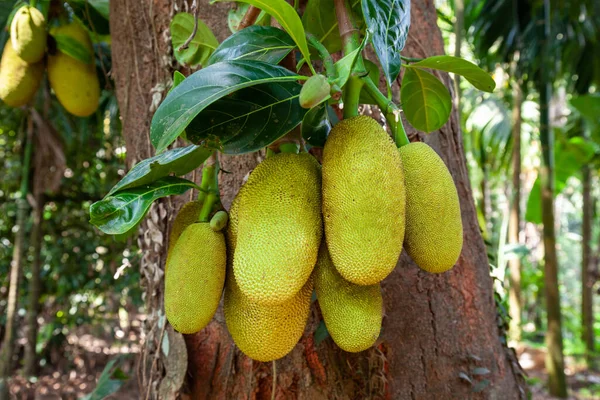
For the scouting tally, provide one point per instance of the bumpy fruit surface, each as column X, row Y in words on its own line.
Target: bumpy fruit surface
column 363, row 200
column 265, row 332
column 75, row 83
column 434, row 233
column 18, row 80
column 28, row 34
column 279, row 228
column 195, row 277
column 352, row 313
column 185, row 217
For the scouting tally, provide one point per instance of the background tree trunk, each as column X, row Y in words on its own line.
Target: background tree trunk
column 437, row 328
column 587, row 282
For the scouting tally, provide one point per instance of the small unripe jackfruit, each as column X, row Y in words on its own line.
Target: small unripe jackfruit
column 19, row 81
column 363, row 200
column 187, row 215
column 75, row 83
column 195, row 277
column 352, row 313
column 314, row 91
column 434, row 233
column 279, row 228
column 28, row 34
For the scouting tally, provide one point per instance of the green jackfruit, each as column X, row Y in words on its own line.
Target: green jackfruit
column 187, row 215
column 352, row 313
column 19, row 81
column 75, row 83
column 28, row 34
column 434, row 233
column 279, row 228
column 314, row 91
column 194, row 278
column 363, row 200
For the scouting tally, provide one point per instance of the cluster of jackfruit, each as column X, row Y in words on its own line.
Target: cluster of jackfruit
column 75, row 83
column 297, row 226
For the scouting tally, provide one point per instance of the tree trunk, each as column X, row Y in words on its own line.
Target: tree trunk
column 514, row 264
column 35, row 288
column 8, row 344
column 587, row 281
column 437, row 328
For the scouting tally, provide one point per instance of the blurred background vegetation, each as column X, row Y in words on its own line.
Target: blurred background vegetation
column 89, row 304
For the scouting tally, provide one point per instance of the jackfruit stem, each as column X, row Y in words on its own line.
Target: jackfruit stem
column 324, row 55
column 210, row 187
column 289, row 148
column 390, row 110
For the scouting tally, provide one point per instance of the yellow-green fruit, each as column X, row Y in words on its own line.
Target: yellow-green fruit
column 352, row 313
column 28, row 34
column 187, row 215
column 363, row 200
column 434, row 234
column 279, row 228
column 75, row 83
column 19, row 81
column 265, row 332
column 195, row 277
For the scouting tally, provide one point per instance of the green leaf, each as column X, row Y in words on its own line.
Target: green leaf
column 203, row 88
column 425, row 100
column 471, row 72
column 388, row 21
column 201, row 46
column 569, row 157
column 287, row 17
column 345, row 64
column 110, row 381
column 262, row 43
column 319, row 19
column 316, row 125
column 373, row 69
column 178, row 77
column 93, row 13
column 71, row 47
column 236, row 15
column 321, row 333
column 588, row 106
column 249, row 119
column 118, row 213
column 177, row 161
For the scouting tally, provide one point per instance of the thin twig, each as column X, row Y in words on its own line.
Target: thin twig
column 195, row 30
column 274, row 380
column 249, row 18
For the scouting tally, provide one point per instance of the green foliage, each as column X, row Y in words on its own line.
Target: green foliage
column 426, row 101
column 71, row 47
column 110, row 381
column 199, row 48
column 320, row 20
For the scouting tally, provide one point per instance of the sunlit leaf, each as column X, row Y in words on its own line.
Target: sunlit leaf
column 201, row 46
column 319, row 19
column 471, row 72
column 425, row 100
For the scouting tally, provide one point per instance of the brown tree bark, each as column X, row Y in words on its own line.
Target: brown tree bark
column 437, row 328
column 587, row 281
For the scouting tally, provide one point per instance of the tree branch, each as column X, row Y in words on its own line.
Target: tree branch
column 250, row 17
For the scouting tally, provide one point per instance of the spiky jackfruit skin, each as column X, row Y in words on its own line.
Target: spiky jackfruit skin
column 352, row 313
column 19, row 81
column 75, row 83
column 363, row 200
column 434, row 232
column 195, row 277
column 265, row 332
column 187, row 215
column 28, row 34
column 279, row 228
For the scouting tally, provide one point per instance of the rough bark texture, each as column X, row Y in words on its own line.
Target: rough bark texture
column 514, row 224
column 587, row 282
column 435, row 327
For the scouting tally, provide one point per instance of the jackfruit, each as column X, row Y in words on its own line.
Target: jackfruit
column 279, row 228
column 195, row 277
column 28, row 34
column 434, row 233
column 352, row 313
column 19, row 81
column 363, row 200
column 219, row 221
column 75, row 83
column 314, row 91
column 265, row 332
column 187, row 215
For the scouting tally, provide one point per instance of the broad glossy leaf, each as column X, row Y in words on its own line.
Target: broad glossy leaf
column 118, row 213
column 345, row 64
column 317, row 125
column 471, row 72
column 425, row 100
column 201, row 46
column 287, row 17
column 71, row 47
column 249, row 119
column 92, row 14
column 203, row 88
column 388, row 21
column 319, row 19
column 177, row 161
column 236, row 15
column 588, row 106
column 262, row 43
